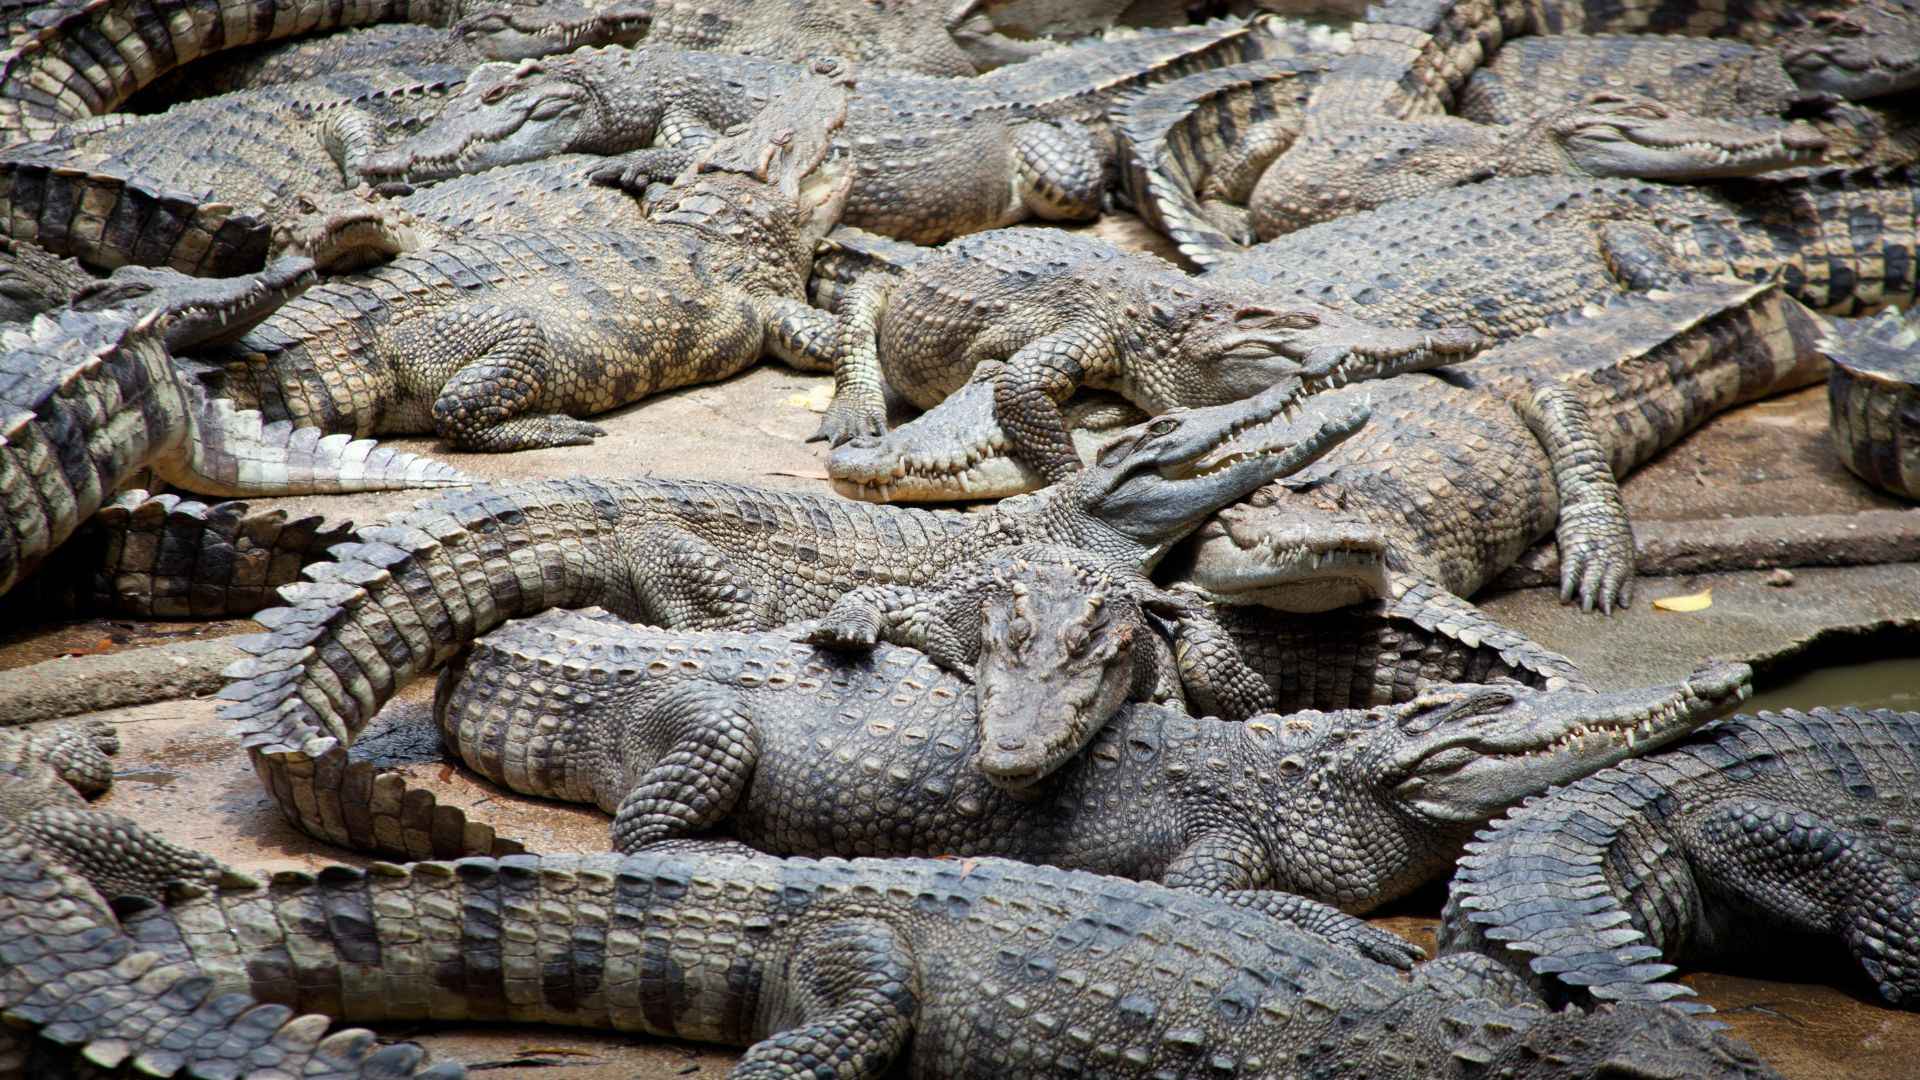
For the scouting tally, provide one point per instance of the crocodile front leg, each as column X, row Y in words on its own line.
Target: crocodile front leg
column 1596, row 540
column 712, row 749
column 1028, row 393
column 849, row 998
column 1813, row 875
column 500, row 362
column 803, row 336
column 902, row 615
column 1059, row 173
column 1215, row 677
column 859, row 384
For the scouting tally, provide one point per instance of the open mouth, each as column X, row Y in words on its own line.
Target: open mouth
column 1270, row 435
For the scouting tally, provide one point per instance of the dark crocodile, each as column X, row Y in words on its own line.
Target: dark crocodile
column 934, row 158
column 686, row 736
column 1516, row 255
column 1038, row 314
column 412, row 592
column 34, row 281
column 941, row 969
column 198, row 187
column 1779, row 823
column 164, row 557
column 1465, row 471
column 503, row 341
column 92, row 396
column 1874, row 392
column 73, row 59
column 82, row 998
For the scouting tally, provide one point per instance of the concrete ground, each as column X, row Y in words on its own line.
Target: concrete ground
column 182, row 773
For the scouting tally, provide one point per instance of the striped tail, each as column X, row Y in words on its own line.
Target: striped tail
column 106, row 220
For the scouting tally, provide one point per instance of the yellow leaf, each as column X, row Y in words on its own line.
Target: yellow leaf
column 814, row 400
column 1699, row 601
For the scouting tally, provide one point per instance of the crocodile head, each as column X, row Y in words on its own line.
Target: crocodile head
column 1624, row 135
column 198, row 311
column 1865, row 51
column 1243, row 555
column 1057, row 639
column 1620, row 1041
column 1465, row 754
column 344, row 231
column 1158, row 480
column 507, row 114
column 519, row 30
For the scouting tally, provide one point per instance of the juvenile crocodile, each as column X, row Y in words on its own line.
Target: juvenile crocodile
column 1054, row 312
column 198, row 186
column 933, row 158
column 1874, row 394
column 412, row 592
column 81, row 997
column 1351, row 808
column 1518, row 254
column 939, row 969
column 1468, row 470
column 164, row 557
column 503, row 341
column 1774, row 822
column 90, row 396
column 1863, row 49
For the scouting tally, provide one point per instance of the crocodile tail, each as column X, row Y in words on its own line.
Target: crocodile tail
column 848, row 256
column 233, row 452
column 162, row 556
column 1432, row 608
column 1536, row 892
column 403, row 598
column 93, row 998
column 1851, row 238
column 106, row 221
column 80, row 58
column 1173, row 136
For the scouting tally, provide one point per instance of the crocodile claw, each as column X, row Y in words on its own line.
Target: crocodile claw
column 843, row 424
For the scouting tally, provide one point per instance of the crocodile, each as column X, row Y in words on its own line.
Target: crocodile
column 411, row 592
column 1052, row 312
column 934, row 158
column 1864, row 49
column 1874, row 393
column 1518, row 254
column 74, row 59
column 92, row 396
column 682, row 735
column 1703, row 76
column 162, row 556
column 1603, row 135
column 1779, row 821
column 1471, row 468
column 82, row 997
column 502, row 341
column 34, row 281
column 938, row 969
column 197, row 187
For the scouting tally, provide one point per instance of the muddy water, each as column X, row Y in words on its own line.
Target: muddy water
column 1892, row 683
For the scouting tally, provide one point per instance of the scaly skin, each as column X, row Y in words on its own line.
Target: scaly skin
column 413, row 592
column 1054, row 313
column 860, row 967
column 1859, row 49
column 502, row 342
column 82, row 58
column 34, row 281
column 97, row 1000
column 95, row 388
column 934, row 158
column 1516, row 255
column 1464, row 474
column 197, row 187
column 1874, row 393
column 1602, row 135
column 163, row 557
column 1756, row 825
column 1353, row 808
column 1703, row 76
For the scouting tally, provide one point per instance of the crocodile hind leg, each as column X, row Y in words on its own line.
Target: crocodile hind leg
column 1058, row 171
column 712, row 749
column 847, row 1005
column 1027, row 397
column 499, row 364
column 1595, row 538
column 1806, row 872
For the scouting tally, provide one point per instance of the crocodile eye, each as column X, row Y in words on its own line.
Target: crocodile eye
column 1299, row 320
column 495, row 94
column 1163, row 427
column 548, row 108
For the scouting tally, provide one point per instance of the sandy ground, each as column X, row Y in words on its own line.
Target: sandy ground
column 182, row 773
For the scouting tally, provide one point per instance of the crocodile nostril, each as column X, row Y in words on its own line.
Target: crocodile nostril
column 1011, row 742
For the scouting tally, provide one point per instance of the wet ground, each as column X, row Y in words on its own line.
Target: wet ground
column 183, row 774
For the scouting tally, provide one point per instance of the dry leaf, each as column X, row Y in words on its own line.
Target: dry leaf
column 1699, row 601
column 99, row 648
column 814, row 400
column 803, row 474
